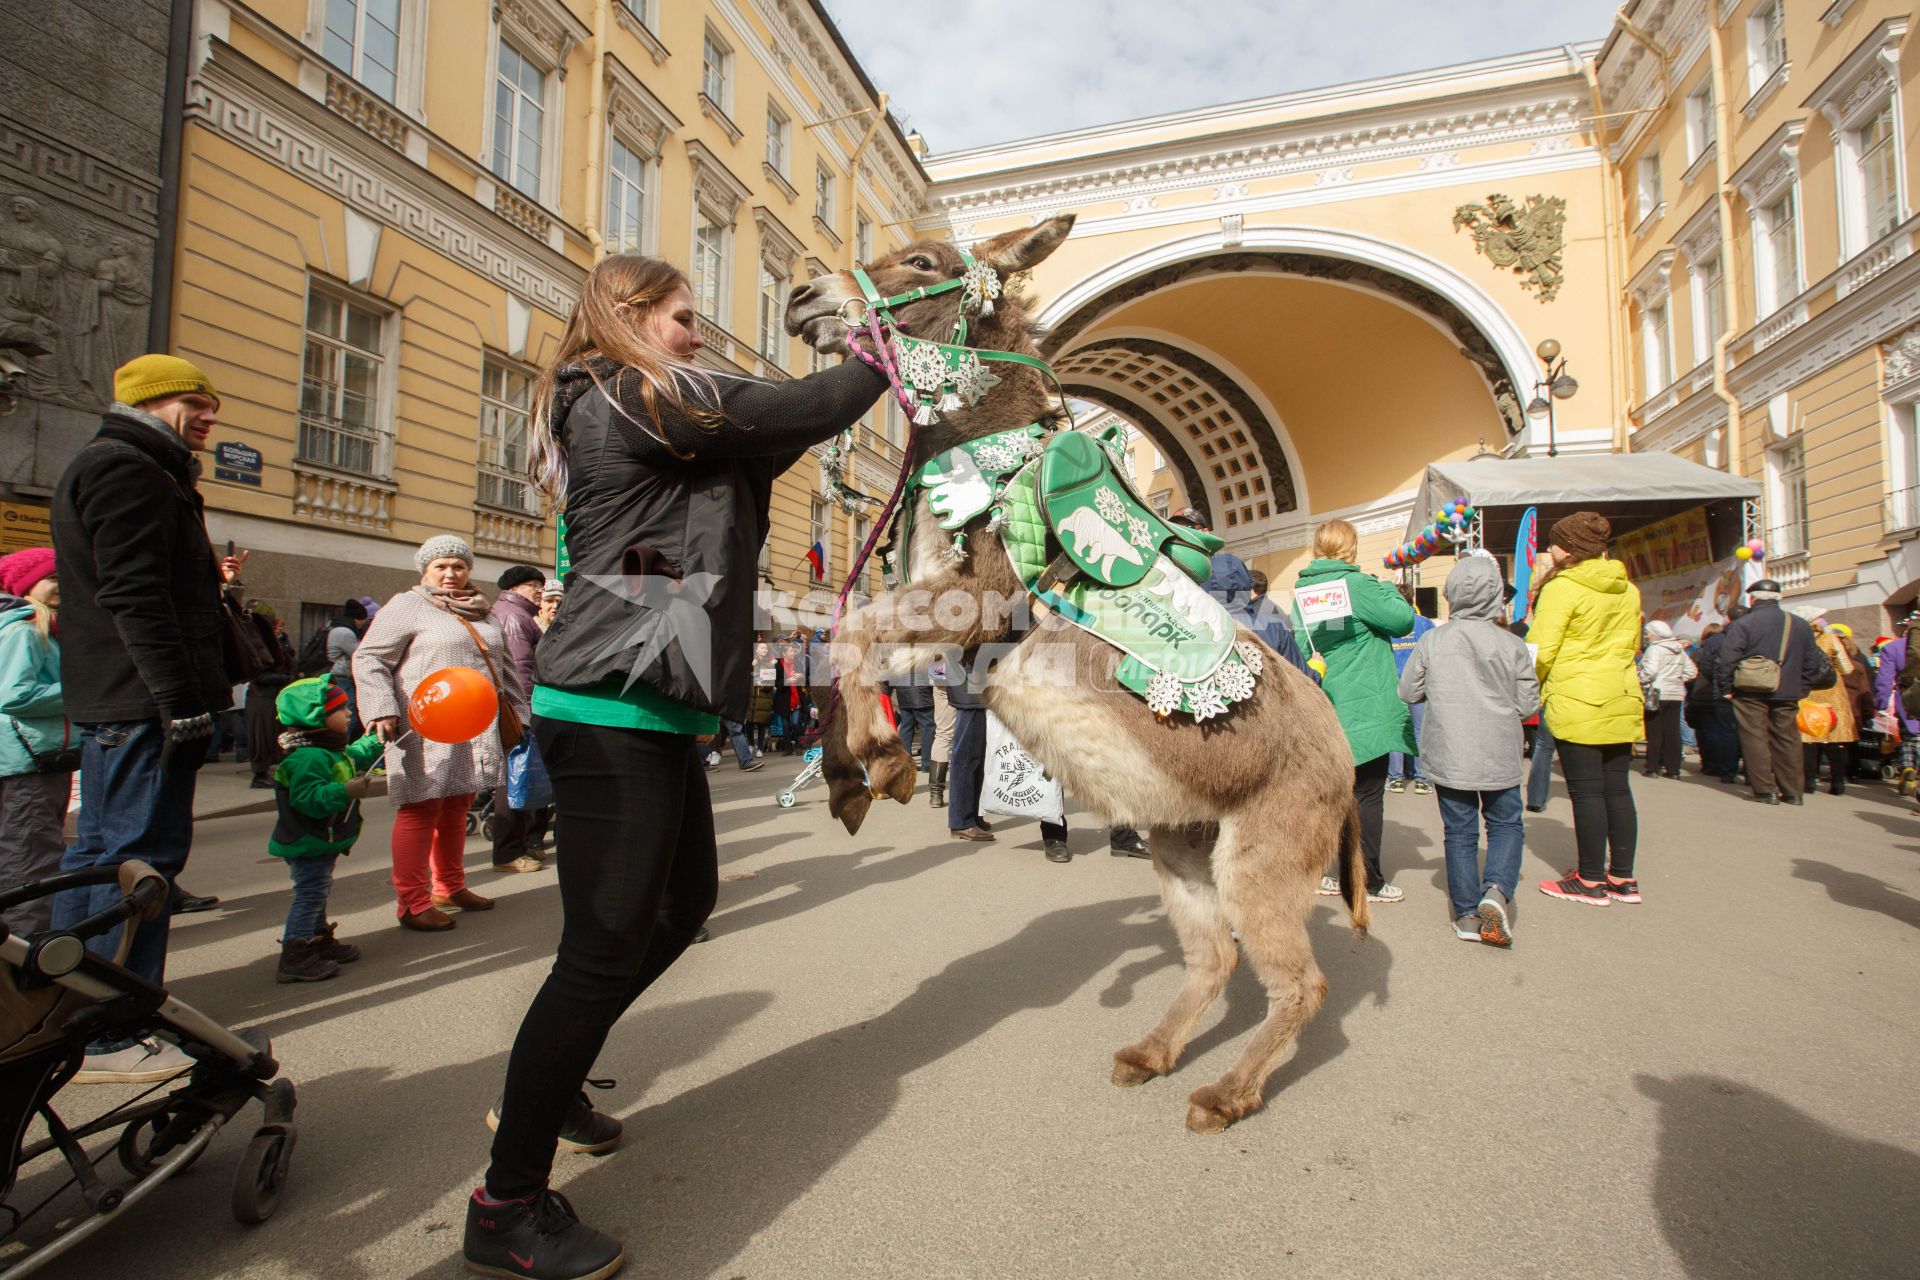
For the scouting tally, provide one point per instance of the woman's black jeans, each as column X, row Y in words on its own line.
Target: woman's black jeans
column 1604, row 819
column 638, row 877
column 1663, row 738
column 1370, row 794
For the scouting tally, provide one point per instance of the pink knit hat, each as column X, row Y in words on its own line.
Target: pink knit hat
column 22, row 571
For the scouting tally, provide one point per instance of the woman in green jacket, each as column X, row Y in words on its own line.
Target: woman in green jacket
column 1356, row 648
column 1586, row 629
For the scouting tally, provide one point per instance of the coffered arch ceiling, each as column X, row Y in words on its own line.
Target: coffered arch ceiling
column 1280, row 391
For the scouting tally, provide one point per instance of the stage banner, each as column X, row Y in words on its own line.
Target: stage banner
column 1672, row 546
column 1690, row 600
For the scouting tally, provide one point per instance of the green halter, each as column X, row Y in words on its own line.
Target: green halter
column 942, row 376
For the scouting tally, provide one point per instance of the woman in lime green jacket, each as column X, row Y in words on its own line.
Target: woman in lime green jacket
column 1586, row 633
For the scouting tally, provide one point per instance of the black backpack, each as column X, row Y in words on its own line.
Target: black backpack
column 1907, row 681
column 313, row 659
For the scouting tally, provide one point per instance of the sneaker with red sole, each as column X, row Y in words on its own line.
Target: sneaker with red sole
column 1574, row 889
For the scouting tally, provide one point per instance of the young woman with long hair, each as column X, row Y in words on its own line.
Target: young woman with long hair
column 662, row 473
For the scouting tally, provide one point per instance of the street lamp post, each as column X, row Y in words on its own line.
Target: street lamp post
column 1557, row 384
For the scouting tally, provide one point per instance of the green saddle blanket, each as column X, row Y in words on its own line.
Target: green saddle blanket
column 1108, row 533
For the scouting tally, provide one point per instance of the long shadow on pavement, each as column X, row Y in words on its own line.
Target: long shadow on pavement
column 723, row 1160
column 1855, row 889
column 819, row 881
column 378, row 1149
column 1748, row 1185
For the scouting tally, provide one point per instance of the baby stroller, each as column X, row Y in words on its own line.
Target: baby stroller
column 56, row 998
column 480, row 819
column 811, row 758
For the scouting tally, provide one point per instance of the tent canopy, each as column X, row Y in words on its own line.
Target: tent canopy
column 1632, row 490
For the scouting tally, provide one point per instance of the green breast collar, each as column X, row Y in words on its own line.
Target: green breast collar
column 1138, row 582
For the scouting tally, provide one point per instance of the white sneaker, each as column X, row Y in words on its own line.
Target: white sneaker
column 1467, row 927
column 1329, row 887
column 1495, row 931
column 148, row 1062
column 1386, row 893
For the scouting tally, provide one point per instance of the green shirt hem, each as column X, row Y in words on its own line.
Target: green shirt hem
column 639, row 706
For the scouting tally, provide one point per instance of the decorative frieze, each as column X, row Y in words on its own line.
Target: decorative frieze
column 715, row 188
column 61, row 169
column 1773, row 167
column 1865, row 79
column 265, row 115
column 543, row 27
column 642, row 120
column 1902, row 357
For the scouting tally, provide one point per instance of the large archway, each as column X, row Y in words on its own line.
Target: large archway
column 1289, row 380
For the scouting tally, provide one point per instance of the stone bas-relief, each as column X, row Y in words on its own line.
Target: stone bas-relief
column 1526, row 239
column 73, row 299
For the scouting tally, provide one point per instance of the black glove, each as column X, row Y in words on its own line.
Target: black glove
column 189, row 729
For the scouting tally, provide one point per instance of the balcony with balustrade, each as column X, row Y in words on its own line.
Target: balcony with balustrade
column 333, row 476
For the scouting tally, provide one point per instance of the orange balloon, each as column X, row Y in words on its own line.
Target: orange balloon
column 1815, row 720
column 453, row 704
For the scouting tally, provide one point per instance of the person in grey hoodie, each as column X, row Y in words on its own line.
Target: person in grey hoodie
column 1478, row 684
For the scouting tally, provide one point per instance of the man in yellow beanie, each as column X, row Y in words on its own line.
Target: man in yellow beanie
column 141, row 635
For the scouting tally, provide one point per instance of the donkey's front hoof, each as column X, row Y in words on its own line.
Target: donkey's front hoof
column 848, row 801
column 1133, row 1067
column 891, row 772
column 1210, row 1109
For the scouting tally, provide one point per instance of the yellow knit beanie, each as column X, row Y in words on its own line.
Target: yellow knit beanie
column 151, row 377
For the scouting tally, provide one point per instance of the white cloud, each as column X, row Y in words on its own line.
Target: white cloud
column 971, row 72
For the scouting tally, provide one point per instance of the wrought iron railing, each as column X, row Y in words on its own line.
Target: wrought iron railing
column 335, row 443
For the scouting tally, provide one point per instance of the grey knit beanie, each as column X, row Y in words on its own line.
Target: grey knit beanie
column 439, row 547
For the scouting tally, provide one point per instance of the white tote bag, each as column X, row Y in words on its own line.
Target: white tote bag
column 1016, row 785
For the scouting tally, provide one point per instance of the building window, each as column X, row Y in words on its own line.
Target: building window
column 1709, row 318
column 1657, row 338
column 1903, row 502
column 863, row 240
column 1701, row 125
column 519, row 120
column 642, row 10
column 777, row 129
column 1879, row 176
column 627, row 174
column 505, row 397
column 823, row 194
column 1162, row 503
column 1778, row 261
column 1791, row 533
column 340, row 391
column 773, row 314
column 1766, row 43
column 716, row 70
column 821, row 526
column 362, row 38
column 1649, row 185
column 711, row 243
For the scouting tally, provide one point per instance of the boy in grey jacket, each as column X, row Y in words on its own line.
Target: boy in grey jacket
column 1477, row 680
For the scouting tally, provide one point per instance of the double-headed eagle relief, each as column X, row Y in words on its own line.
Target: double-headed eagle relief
column 1528, row 239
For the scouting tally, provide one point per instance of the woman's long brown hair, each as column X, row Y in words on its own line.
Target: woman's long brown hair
column 596, row 327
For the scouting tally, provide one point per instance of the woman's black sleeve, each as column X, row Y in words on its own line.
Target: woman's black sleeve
column 767, row 419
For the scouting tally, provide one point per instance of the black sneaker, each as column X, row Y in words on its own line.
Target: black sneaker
column 539, row 1238
column 585, row 1130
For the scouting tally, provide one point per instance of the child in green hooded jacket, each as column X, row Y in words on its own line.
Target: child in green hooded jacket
column 318, row 789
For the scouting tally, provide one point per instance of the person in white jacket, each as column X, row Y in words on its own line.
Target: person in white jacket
column 1665, row 669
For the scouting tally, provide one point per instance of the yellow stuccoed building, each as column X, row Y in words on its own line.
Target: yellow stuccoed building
column 1299, row 302
column 388, row 206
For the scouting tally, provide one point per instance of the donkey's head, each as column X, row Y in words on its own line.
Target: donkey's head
column 820, row 311
column 815, row 309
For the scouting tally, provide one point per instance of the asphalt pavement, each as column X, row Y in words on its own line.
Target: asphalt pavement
column 891, row 1061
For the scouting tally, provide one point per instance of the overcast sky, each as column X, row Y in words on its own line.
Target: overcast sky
column 967, row 73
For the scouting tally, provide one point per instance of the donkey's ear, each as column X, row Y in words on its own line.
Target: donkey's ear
column 1012, row 251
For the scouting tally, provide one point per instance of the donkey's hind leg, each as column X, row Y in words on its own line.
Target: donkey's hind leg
column 1180, row 855
column 1270, row 911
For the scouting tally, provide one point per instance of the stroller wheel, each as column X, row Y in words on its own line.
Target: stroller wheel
column 261, row 1175
column 473, row 822
column 137, row 1142
column 488, row 827
column 786, row 799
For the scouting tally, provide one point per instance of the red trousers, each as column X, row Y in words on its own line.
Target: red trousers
column 429, row 849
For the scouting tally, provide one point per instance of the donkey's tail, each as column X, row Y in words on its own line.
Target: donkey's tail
column 1353, row 873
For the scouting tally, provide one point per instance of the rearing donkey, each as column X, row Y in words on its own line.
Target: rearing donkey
column 1242, row 804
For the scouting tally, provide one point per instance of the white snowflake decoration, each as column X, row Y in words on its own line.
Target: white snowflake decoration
column 1250, row 654
column 978, row 288
column 1109, row 504
column 1205, row 701
column 973, row 380
column 1234, row 681
column 1163, row 693
column 1004, row 454
column 1137, row 531
column 923, row 366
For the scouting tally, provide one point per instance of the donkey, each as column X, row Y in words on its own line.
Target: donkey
column 1241, row 812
